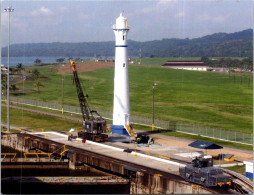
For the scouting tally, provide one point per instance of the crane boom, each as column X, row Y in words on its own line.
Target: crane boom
column 93, row 127
column 82, row 99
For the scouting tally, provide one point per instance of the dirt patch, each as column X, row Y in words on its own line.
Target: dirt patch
column 84, row 67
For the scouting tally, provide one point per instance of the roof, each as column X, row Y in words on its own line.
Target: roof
column 204, row 145
column 184, row 63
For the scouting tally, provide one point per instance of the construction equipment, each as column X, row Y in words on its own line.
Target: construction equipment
column 202, row 172
column 94, row 126
column 143, row 139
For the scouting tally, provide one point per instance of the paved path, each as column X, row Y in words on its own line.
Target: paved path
column 115, row 152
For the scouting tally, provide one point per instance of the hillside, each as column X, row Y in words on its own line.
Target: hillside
column 238, row 44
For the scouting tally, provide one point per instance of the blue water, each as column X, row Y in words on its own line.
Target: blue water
column 27, row 61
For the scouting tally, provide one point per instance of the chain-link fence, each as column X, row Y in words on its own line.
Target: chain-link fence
column 245, row 138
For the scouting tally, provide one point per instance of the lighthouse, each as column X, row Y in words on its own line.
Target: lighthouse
column 121, row 110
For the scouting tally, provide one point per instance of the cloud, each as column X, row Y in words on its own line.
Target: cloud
column 4, row 18
column 64, row 10
column 208, row 18
column 42, row 12
column 165, row 2
column 82, row 16
column 219, row 19
column 179, row 15
column 156, row 8
column 164, row 5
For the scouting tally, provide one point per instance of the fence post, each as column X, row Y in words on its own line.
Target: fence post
column 213, row 132
column 235, row 136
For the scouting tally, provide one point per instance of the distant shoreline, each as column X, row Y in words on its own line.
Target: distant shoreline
column 29, row 61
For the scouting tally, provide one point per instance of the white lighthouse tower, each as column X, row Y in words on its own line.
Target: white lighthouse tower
column 121, row 111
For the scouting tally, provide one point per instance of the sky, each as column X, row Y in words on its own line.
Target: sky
column 91, row 21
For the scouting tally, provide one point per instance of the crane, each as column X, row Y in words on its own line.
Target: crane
column 94, row 126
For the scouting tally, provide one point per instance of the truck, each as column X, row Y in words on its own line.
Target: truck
column 94, row 126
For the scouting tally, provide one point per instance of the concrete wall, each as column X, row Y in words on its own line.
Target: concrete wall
column 143, row 180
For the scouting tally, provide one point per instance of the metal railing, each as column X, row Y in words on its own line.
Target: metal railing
column 233, row 136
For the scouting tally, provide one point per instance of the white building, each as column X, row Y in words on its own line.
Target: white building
column 187, row 65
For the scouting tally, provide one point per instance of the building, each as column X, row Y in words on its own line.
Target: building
column 187, row 65
column 3, row 69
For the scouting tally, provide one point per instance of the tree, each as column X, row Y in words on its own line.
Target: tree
column 4, row 83
column 60, row 60
column 38, row 85
column 205, row 60
column 37, row 61
column 35, row 74
column 19, row 67
column 13, row 88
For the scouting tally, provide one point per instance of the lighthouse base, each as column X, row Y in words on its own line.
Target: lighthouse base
column 119, row 129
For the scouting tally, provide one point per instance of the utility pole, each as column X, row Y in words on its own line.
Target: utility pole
column 140, row 55
column 0, row 75
column 154, row 85
column 9, row 10
column 63, row 95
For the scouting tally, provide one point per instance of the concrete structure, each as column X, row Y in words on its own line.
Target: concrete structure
column 187, row 65
column 249, row 168
column 121, row 110
column 147, row 174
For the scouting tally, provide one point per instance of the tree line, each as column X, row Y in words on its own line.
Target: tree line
column 230, row 63
column 238, row 44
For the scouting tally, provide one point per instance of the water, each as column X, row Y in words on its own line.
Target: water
column 27, row 61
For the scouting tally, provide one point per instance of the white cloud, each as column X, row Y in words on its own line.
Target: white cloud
column 158, row 8
column 219, row 19
column 82, row 15
column 4, row 18
column 166, row 2
column 64, row 10
column 164, row 5
column 43, row 11
column 179, row 15
column 208, row 18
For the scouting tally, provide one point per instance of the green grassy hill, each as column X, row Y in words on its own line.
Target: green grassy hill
column 202, row 98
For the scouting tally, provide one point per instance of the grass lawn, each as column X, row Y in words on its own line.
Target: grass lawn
column 238, row 168
column 201, row 98
column 37, row 121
